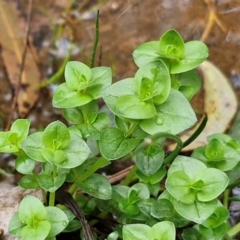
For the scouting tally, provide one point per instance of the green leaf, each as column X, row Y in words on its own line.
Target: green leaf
column 114, row 145
column 33, row 145
column 153, row 81
column 64, row 97
column 171, row 45
column 56, row 136
column 195, row 53
column 131, row 106
column 174, row 115
column 135, row 232
column 225, row 163
column 189, row 165
column 162, row 208
column 215, row 182
column 5, row 145
column 113, row 92
column 178, row 185
column 153, row 178
column 192, row 234
column 24, row 164
column 197, row 212
column 21, row 127
column 97, row 186
column 50, row 183
column 146, row 53
column 28, row 182
column 214, row 233
column 162, row 231
column 149, row 163
column 189, row 83
column 54, row 156
column 218, row 217
column 138, row 191
column 15, row 226
column 77, row 75
column 31, row 211
column 73, row 115
column 37, row 232
column 214, row 150
column 77, row 152
column 58, row 220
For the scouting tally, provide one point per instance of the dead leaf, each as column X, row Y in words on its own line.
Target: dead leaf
column 12, row 44
column 220, row 104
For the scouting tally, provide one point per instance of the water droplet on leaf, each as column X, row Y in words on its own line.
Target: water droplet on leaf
column 64, row 223
column 159, row 121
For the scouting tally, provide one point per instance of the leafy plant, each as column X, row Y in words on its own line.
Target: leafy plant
column 164, row 195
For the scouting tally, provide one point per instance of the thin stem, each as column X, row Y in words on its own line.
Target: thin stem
column 197, row 132
column 95, row 41
column 130, row 177
column 52, row 194
column 234, row 230
column 98, row 164
column 225, row 198
column 131, row 129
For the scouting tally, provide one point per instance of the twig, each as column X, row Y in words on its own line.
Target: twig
column 17, row 89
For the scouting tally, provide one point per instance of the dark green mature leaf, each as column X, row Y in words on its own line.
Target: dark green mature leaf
column 192, row 234
column 97, row 186
column 149, row 163
column 50, row 183
column 114, row 145
column 28, row 182
column 174, row 115
column 189, row 83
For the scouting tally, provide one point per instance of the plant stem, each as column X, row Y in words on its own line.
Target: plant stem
column 98, row 164
column 131, row 129
column 130, row 177
column 52, row 194
column 234, row 230
column 95, row 41
column 234, row 184
column 225, row 198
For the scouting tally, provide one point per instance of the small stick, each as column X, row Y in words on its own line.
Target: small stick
column 16, row 90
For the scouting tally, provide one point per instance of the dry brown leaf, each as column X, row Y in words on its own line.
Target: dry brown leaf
column 12, row 44
column 220, row 104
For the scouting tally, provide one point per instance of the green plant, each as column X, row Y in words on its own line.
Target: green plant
column 165, row 195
